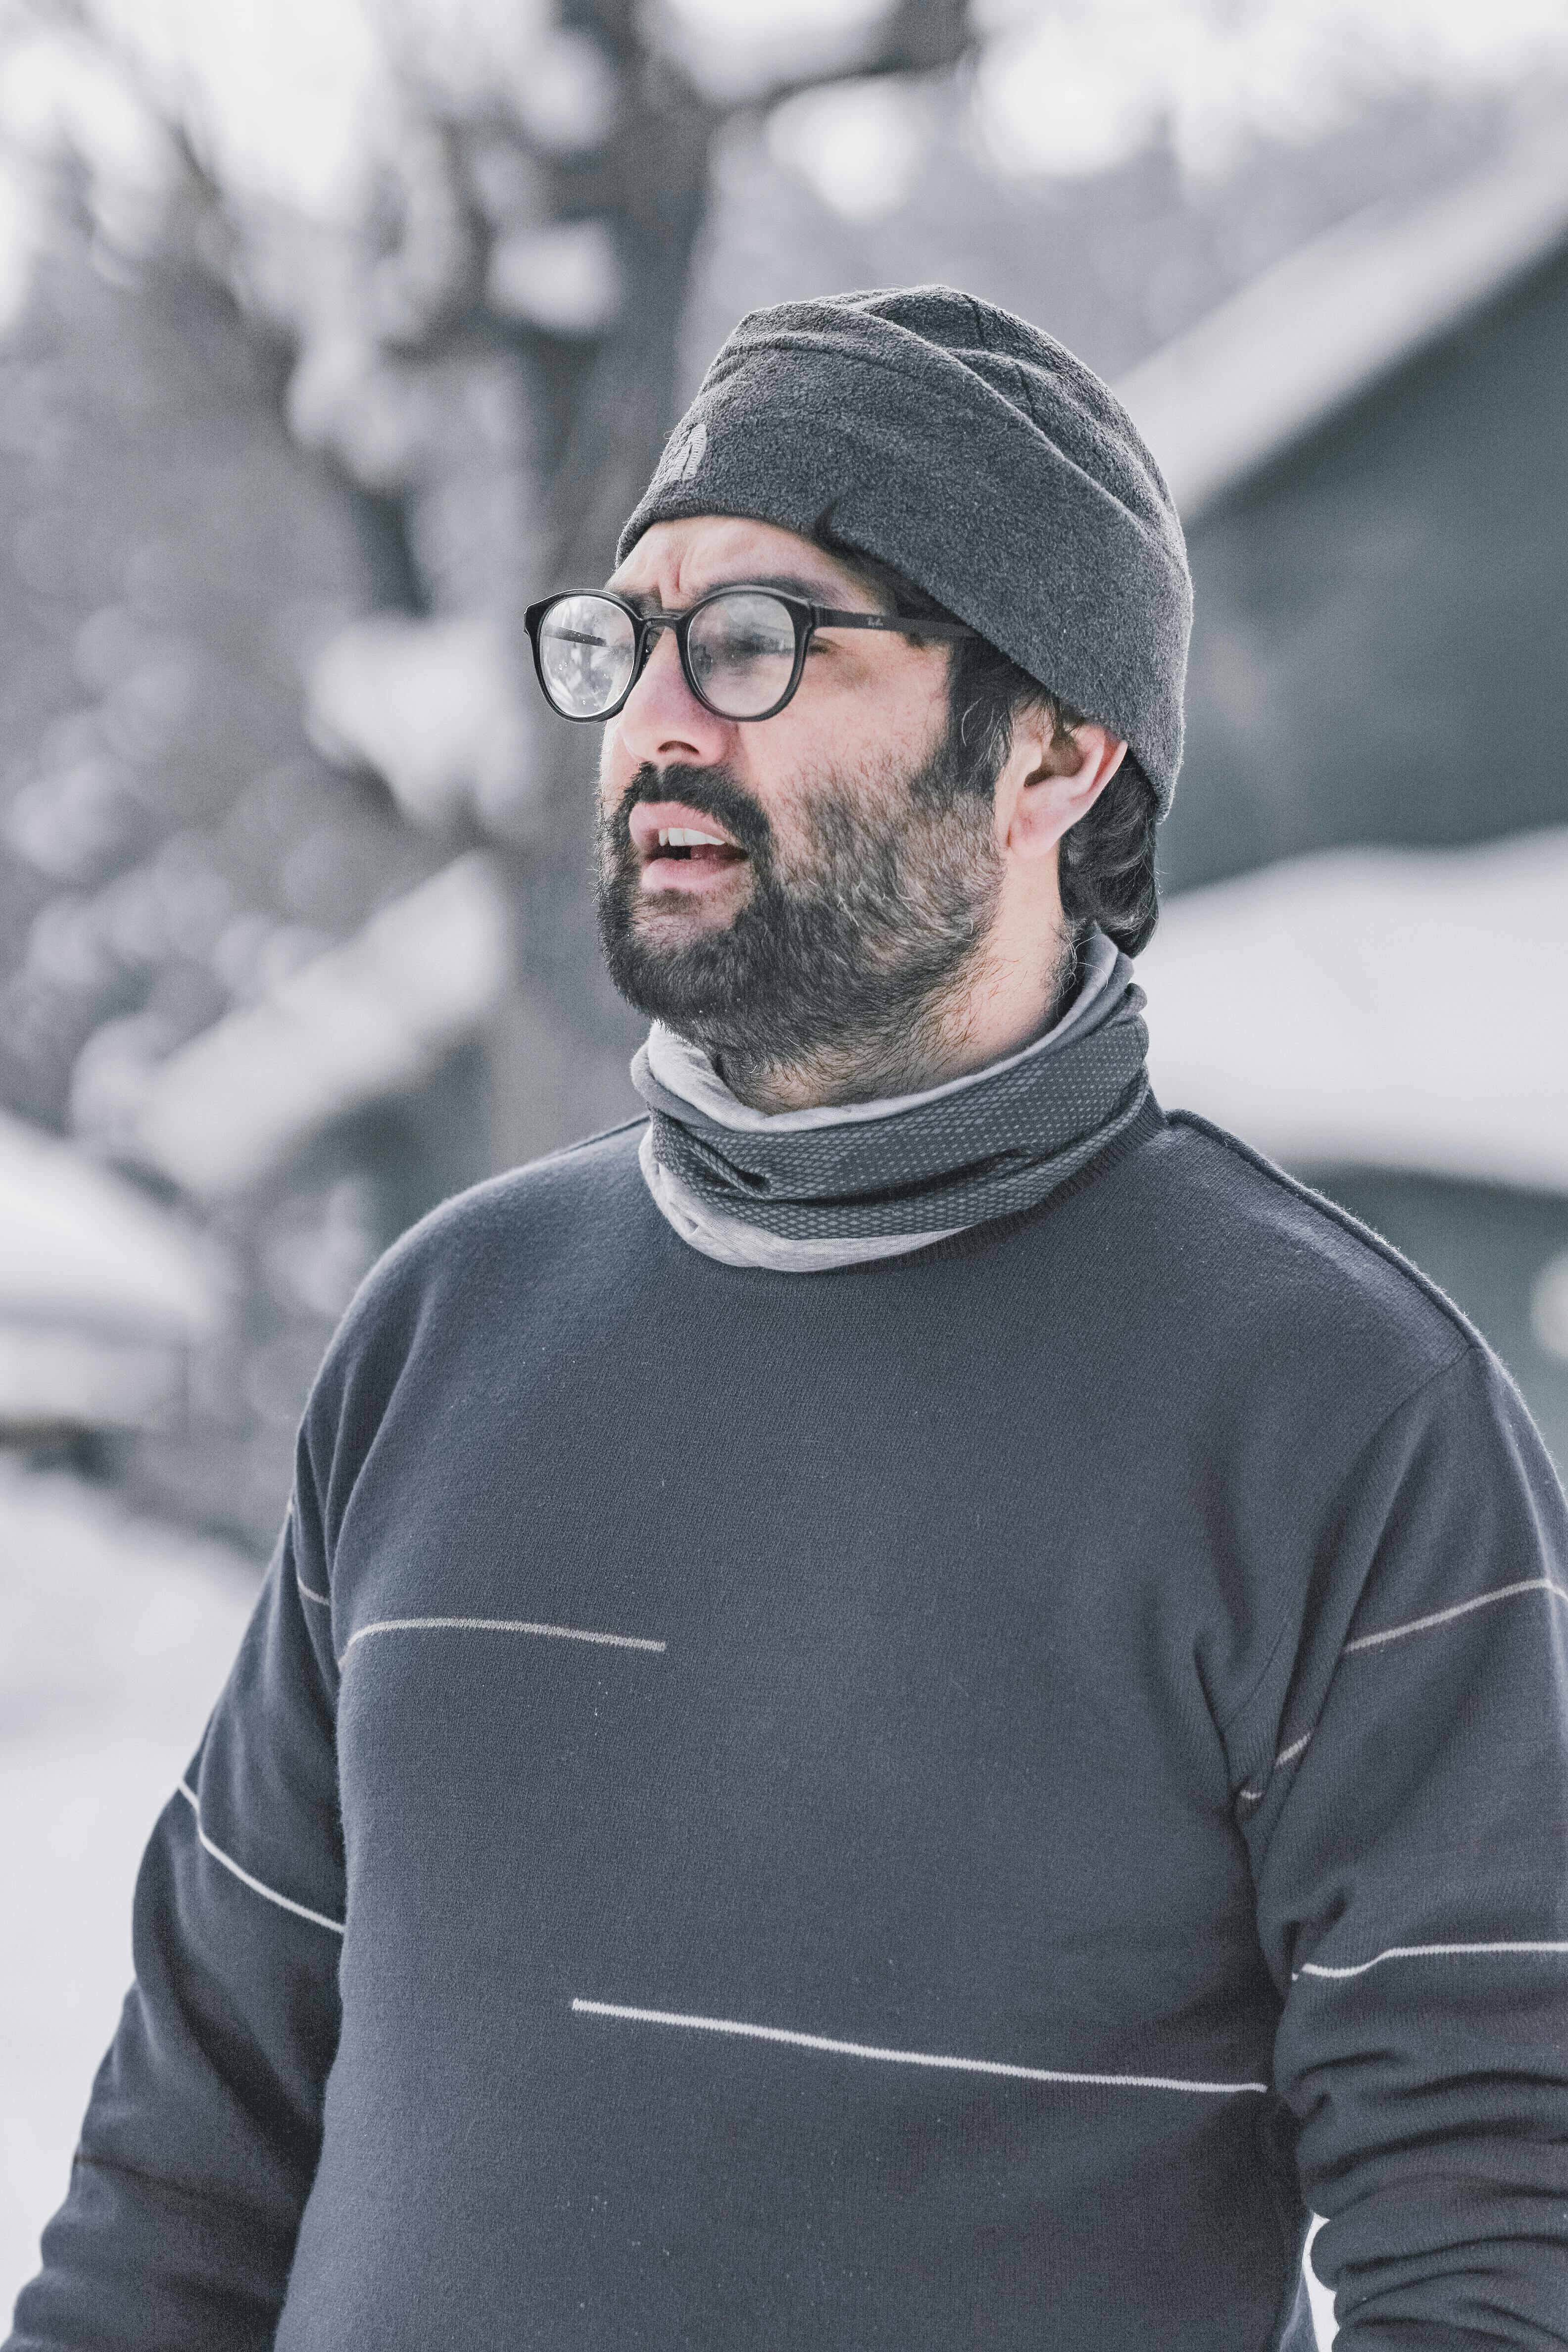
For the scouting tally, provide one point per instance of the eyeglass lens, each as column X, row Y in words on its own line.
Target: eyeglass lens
column 740, row 648
column 741, row 651
column 587, row 648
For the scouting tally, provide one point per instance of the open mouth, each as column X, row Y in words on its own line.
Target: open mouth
column 681, row 848
column 702, row 851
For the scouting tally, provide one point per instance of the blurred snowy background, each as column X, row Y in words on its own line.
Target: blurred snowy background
column 331, row 332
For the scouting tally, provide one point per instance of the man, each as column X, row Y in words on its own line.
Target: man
column 910, row 1705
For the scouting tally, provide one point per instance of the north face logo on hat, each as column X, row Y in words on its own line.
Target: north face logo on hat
column 685, row 455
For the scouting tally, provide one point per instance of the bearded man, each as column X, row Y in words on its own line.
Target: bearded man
column 913, row 1705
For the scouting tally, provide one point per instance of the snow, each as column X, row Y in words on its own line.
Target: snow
column 101, row 1291
column 297, row 102
column 289, row 101
column 432, row 706
column 1325, row 2325
column 363, row 1020
column 860, row 144
column 567, row 279
column 1400, row 1009
column 23, row 228
column 1294, row 343
column 1549, row 1307
column 566, row 95
column 51, row 1380
column 115, row 1638
column 741, row 49
column 78, row 1246
column 1071, row 87
column 60, row 93
column 343, row 397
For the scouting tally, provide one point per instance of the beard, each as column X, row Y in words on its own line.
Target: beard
column 849, row 957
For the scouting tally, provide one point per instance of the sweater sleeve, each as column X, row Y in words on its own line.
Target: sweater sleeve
column 1410, row 1847
column 203, row 2132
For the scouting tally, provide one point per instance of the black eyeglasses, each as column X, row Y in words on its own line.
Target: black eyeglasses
column 743, row 648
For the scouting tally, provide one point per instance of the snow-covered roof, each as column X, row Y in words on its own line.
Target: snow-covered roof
column 1404, row 1009
column 365, row 1020
column 1307, row 337
column 82, row 1250
column 102, row 1291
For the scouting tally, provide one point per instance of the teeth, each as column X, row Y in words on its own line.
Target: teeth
column 686, row 837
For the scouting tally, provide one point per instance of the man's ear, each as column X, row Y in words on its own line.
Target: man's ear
column 1049, row 781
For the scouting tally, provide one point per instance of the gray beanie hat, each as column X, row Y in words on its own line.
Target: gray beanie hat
column 975, row 455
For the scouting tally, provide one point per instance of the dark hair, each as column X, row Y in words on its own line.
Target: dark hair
column 1107, row 867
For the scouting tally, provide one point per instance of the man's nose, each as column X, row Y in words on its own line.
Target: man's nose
column 662, row 720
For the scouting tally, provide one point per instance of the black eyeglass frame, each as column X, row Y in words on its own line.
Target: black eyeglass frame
column 806, row 616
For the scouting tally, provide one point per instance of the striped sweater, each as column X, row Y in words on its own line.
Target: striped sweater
column 949, row 1804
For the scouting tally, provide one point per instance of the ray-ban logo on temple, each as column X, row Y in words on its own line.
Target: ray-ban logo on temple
column 743, row 648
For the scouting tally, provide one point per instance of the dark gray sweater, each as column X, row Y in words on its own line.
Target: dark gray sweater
column 935, row 1807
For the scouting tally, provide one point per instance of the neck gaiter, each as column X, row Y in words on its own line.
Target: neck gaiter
column 800, row 1192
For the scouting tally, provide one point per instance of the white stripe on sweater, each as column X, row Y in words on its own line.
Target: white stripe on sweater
column 899, row 2057
column 499, row 1625
column 1421, row 1952
column 257, row 1886
column 1460, row 1609
column 1286, row 1756
column 1397, row 1633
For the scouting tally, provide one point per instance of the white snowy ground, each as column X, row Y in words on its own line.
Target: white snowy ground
column 115, row 1637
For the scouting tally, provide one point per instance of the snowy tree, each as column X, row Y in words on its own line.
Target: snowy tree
column 477, row 251
column 300, row 410
column 340, row 328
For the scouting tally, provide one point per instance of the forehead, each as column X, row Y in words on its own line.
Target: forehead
column 677, row 561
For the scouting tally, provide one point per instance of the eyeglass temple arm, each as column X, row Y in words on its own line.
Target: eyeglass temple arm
column 902, row 625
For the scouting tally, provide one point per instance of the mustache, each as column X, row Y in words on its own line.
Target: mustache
column 711, row 791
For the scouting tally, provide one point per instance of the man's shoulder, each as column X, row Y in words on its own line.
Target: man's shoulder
column 585, row 1180
column 498, row 1237
column 1281, row 1264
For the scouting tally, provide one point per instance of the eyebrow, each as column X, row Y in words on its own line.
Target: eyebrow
column 792, row 583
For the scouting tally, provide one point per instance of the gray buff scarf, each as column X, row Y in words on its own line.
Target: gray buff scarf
column 801, row 1191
